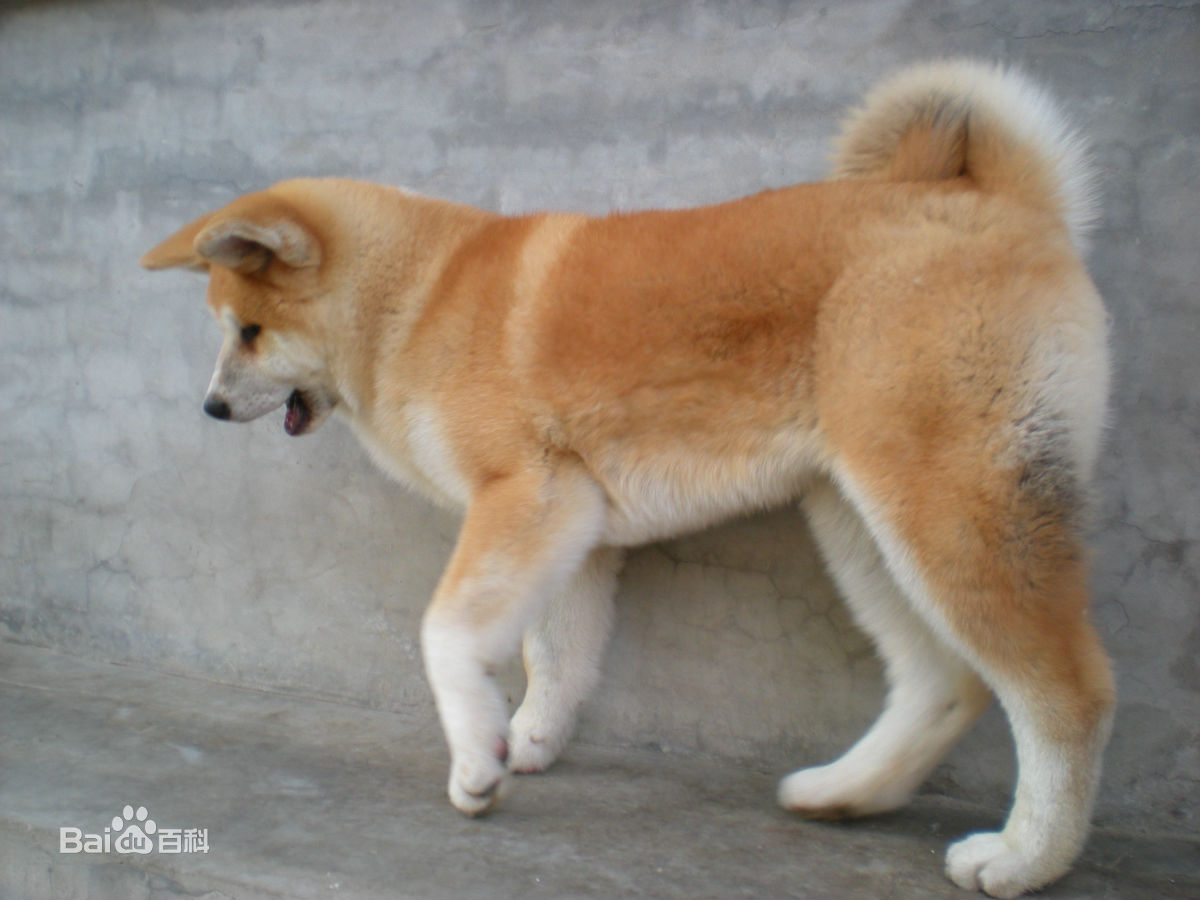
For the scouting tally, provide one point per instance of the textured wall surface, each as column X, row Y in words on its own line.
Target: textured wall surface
column 135, row 529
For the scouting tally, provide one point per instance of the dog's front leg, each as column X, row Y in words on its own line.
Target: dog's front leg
column 562, row 653
column 523, row 537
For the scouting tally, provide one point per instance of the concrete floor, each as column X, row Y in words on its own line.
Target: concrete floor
column 305, row 798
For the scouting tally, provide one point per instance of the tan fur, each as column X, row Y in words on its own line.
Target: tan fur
column 916, row 340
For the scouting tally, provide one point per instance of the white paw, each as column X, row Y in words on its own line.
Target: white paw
column 478, row 780
column 985, row 862
column 823, row 792
column 812, row 794
column 534, row 743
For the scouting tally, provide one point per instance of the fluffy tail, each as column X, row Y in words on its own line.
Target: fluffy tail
column 947, row 119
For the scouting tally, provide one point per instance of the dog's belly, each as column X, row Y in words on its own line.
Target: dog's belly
column 653, row 496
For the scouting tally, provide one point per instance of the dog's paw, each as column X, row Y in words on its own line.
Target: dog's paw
column 530, row 755
column 479, row 781
column 475, row 792
column 534, row 743
column 986, row 862
column 810, row 793
column 827, row 792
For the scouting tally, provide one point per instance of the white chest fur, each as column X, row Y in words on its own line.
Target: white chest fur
column 414, row 452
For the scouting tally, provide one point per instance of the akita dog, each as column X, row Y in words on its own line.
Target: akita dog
column 912, row 349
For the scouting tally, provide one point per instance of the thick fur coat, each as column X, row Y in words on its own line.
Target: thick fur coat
column 912, row 348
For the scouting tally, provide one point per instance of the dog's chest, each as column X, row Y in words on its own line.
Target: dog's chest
column 412, row 450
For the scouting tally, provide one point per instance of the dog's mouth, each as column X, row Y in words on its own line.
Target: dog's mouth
column 299, row 416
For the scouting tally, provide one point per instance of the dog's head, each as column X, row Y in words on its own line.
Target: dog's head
column 266, row 286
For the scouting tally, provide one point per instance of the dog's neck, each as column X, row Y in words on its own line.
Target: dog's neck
column 417, row 236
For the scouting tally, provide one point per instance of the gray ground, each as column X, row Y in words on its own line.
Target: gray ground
column 306, row 798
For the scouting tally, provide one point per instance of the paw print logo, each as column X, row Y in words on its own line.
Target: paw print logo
column 133, row 830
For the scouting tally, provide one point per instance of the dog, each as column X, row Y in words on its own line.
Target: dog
column 912, row 349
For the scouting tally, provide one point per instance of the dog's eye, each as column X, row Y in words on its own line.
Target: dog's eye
column 249, row 333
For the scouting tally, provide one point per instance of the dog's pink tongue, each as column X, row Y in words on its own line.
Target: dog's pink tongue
column 298, row 416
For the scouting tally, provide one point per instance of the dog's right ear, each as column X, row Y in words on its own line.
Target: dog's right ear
column 248, row 243
column 179, row 251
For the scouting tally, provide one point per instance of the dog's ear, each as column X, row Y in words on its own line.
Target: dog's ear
column 248, row 246
column 178, row 251
column 245, row 235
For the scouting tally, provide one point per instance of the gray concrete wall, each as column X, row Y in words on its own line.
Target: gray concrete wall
column 135, row 529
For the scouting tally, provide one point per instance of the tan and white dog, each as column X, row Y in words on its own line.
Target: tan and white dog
column 913, row 348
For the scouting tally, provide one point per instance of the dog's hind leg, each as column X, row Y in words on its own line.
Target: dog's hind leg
column 562, row 653
column 1047, row 666
column 934, row 695
column 991, row 561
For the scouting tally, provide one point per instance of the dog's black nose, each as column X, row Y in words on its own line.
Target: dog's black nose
column 218, row 409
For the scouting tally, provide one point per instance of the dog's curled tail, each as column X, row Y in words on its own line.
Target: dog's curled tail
column 965, row 118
